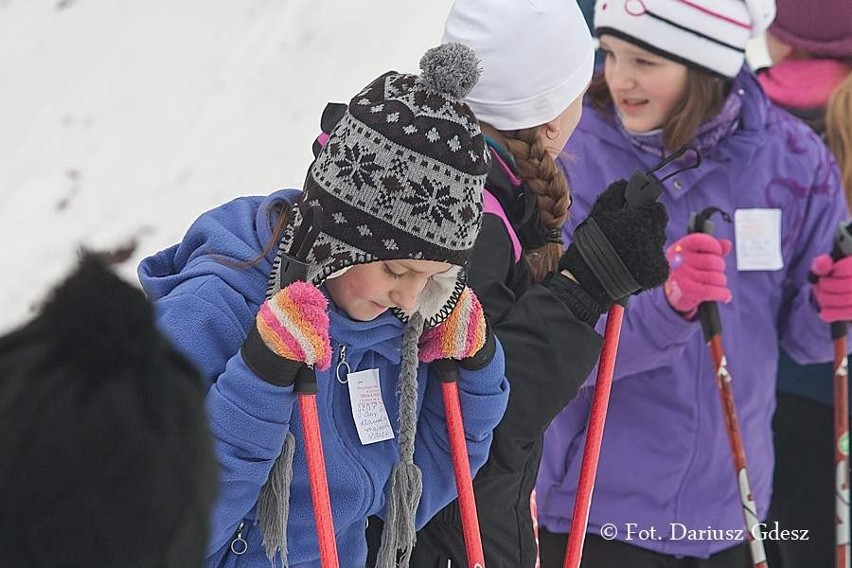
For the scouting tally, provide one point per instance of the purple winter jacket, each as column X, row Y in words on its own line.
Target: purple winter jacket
column 666, row 457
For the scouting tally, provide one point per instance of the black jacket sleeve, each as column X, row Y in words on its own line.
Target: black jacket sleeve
column 550, row 349
column 548, row 336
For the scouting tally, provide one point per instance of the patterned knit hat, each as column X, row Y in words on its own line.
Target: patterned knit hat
column 821, row 27
column 107, row 458
column 400, row 177
column 710, row 35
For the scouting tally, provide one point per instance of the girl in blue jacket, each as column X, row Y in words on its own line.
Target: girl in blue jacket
column 389, row 214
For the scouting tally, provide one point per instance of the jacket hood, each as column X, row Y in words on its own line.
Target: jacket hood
column 223, row 241
column 220, row 245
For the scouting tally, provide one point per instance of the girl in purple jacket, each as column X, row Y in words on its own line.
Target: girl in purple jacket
column 666, row 492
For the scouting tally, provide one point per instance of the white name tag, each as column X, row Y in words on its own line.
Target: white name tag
column 758, row 239
column 368, row 408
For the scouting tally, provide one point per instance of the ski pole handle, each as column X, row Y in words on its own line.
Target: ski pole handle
column 842, row 241
column 642, row 188
column 841, row 249
column 708, row 312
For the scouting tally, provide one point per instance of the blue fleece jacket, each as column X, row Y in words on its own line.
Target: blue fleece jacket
column 206, row 301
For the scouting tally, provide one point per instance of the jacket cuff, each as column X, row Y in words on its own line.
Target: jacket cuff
column 482, row 357
column 266, row 364
column 584, row 307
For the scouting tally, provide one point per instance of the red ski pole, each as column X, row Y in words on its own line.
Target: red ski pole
column 842, row 248
column 594, row 438
column 711, row 324
column 642, row 188
column 841, row 446
column 448, row 372
column 306, row 389
column 293, row 268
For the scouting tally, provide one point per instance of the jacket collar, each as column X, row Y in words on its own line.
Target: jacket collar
column 382, row 335
column 519, row 205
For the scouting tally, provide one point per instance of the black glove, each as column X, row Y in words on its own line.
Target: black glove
column 618, row 250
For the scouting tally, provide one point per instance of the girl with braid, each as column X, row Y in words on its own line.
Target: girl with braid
column 542, row 302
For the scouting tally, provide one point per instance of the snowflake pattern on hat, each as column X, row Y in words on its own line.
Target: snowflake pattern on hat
column 392, row 182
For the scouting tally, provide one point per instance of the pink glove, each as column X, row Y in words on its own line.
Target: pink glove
column 833, row 290
column 294, row 325
column 459, row 336
column 697, row 275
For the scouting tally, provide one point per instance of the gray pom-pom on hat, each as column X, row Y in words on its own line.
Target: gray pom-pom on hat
column 451, row 68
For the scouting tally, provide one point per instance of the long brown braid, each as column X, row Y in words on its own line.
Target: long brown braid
column 541, row 176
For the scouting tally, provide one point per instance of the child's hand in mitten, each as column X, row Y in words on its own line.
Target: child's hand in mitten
column 291, row 329
column 833, row 289
column 697, row 272
column 463, row 336
column 624, row 245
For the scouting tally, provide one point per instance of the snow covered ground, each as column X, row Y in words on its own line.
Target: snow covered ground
column 125, row 119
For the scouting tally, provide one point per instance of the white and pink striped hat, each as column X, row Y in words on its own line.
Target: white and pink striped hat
column 708, row 34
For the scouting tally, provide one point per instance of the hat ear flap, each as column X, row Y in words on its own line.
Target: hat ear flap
column 439, row 296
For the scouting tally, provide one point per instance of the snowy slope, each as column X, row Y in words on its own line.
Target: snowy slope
column 127, row 118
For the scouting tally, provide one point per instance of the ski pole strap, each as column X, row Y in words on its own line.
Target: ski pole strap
column 841, row 248
column 603, row 261
column 294, row 264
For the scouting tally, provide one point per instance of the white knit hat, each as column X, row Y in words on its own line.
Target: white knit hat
column 708, row 34
column 537, row 57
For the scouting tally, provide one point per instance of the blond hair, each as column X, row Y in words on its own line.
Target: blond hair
column 838, row 132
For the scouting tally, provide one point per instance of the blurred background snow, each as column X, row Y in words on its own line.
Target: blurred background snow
column 123, row 120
